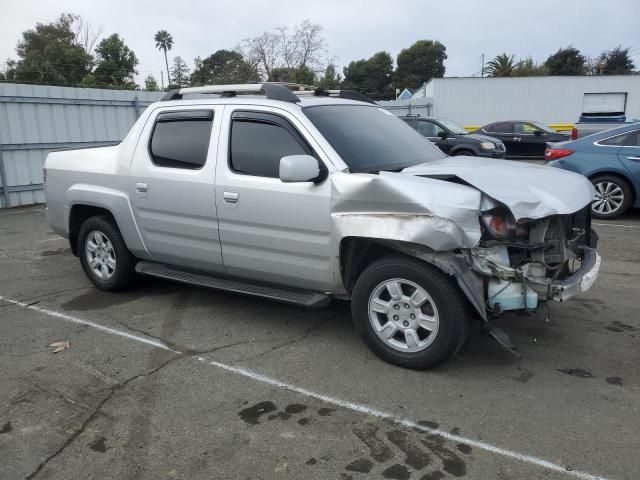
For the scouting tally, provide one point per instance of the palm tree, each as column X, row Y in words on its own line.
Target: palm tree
column 164, row 41
column 501, row 66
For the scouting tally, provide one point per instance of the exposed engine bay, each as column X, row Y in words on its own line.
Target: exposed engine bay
column 533, row 261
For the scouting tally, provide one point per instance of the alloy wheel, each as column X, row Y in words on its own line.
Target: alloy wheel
column 101, row 256
column 608, row 198
column 403, row 315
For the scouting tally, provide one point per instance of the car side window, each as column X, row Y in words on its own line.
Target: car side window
column 427, row 128
column 500, row 128
column 525, row 128
column 622, row 140
column 258, row 143
column 181, row 139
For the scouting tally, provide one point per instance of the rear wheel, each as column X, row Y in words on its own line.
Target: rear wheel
column 104, row 256
column 612, row 197
column 409, row 313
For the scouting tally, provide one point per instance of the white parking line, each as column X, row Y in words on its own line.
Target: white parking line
column 615, row 225
column 356, row 407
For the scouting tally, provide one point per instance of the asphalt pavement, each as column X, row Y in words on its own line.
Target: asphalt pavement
column 168, row 381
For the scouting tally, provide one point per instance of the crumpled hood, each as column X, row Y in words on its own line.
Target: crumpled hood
column 530, row 191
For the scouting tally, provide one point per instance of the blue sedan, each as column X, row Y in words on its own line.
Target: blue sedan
column 611, row 160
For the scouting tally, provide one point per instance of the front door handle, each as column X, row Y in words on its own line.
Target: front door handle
column 633, row 158
column 230, row 197
column 517, row 139
column 142, row 187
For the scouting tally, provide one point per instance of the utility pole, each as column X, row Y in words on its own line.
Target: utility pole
column 482, row 71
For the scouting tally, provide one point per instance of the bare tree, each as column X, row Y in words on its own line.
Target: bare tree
column 86, row 35
column 263, row 49
column 310, row 45
column 281, row 50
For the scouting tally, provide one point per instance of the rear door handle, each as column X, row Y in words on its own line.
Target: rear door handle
column 517, row 139
column 230, row 197
column 634, row 158
column 142, row 187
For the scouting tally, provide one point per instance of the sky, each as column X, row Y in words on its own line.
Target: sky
column 354, row 29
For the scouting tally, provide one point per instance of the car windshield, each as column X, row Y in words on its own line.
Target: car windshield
column 370, row 139
column 542, row 127
column 453, row 127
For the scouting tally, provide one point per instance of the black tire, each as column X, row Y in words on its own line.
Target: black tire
column 623, row 187
column 452, row 308
column 123, row 274
column 464, row 152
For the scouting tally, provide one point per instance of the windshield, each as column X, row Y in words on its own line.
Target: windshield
column 453, row 127
column 542, row 127
column 370, row 139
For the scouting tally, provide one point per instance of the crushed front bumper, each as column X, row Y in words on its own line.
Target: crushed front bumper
column 580, row 281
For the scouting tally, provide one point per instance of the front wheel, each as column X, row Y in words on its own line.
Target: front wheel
column 409, row 313
column 468, row 153
column 104, row 256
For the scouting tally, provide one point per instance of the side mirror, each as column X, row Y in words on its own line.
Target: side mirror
column 538, row 133
column 299, row 168
column 443, row 134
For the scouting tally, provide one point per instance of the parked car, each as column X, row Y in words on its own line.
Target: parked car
column 588, row 125
column 303, row 197
column 453, row 139
column 611, row 160
column 523, row 138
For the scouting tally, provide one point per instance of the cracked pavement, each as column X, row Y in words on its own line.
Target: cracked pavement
column 111, row 407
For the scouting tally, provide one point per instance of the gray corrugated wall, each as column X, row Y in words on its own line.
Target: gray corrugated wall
column 35, row 119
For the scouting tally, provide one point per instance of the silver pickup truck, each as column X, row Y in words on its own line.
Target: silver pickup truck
column 304, row 196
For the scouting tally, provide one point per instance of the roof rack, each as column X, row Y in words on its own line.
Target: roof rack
column 272, row 90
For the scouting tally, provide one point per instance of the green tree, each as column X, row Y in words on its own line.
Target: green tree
column 331, row 79
column 116, row 63
column 372, row 76
column 566, row 61
column 164, row 42
column 419, row 63
column 616, row 62
column 150, row 84
column 223, row 66
column 501, row 66
column 50, row 54
column 529, row 68
column 179, row 73
column 302, row 75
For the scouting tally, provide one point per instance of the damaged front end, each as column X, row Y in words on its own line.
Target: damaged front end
column 528, row 262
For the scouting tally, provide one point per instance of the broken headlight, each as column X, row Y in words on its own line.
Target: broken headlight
column 499, row 224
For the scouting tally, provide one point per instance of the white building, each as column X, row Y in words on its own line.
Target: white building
column 551, row 100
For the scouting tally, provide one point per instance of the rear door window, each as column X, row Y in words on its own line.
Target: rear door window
column 181, row 139
column 500, row 128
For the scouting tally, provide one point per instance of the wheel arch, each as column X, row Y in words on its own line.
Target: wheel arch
column 463, row 148
column 83, row 199
column 358, row 252
column 78, row 214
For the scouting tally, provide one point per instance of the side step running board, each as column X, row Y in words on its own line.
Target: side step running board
column 299, row 297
